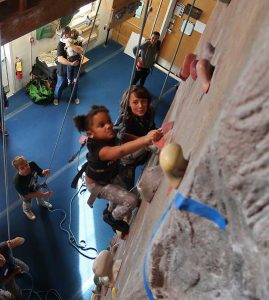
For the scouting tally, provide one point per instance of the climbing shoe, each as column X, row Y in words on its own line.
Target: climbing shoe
column 119, row 225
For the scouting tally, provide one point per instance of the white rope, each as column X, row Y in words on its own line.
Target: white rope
column 74, row 86
column 136, row 56
column 175, row 54
column 4, row 143
column 156, row 17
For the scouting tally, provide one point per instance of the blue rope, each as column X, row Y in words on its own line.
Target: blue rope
column 187, row 204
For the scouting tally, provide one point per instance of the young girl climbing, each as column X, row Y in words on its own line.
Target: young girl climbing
column 103, row 174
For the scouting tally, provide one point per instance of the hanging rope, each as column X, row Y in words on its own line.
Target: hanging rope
column 81, row 246
column 135, row 61
column 32, row 292
column 72, row 92
column 156, row 17
column 4, row 143
column 178, row 45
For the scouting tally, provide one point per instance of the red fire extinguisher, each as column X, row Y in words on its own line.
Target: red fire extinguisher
column 18, row 68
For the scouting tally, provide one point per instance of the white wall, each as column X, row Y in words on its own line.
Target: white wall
column 103, row 18
column 21, row 47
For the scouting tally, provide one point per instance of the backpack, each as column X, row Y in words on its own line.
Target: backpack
column 38, row 92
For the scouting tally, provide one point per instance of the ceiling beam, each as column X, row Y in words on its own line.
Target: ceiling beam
column 24, row 16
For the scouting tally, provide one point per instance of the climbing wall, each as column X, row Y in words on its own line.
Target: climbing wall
column 224, row 135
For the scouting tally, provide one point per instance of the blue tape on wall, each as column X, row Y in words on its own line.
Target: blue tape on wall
column 200, row 209
column 190, row 205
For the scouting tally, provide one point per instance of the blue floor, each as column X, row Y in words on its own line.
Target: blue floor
column 54, row 264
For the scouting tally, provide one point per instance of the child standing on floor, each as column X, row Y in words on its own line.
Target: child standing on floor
column 26, row 184
column 75, row 39
column 105, row 150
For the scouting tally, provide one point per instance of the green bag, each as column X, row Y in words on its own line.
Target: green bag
column 38, row 92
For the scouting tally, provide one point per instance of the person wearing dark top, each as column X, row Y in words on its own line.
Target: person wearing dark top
column 137, row 118
column 103, row 176
column 147, row 56
column 62, row 63
column 4, row 95
column 9, row 268
column 26, row 184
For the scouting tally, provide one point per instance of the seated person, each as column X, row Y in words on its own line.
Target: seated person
column 75, row 39
column 26, row 184
column 103, row 175
column 9, row 268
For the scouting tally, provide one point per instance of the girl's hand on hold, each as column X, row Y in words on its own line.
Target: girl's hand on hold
column 152, row 136
column 158, row 135
column 47, row 194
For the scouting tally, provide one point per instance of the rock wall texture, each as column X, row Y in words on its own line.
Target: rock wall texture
column 225, row 136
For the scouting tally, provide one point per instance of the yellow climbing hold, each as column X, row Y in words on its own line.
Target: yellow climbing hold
column 114, row 293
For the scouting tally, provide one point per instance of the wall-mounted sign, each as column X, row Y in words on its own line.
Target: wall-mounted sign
column 179, row 9
column 188, row 29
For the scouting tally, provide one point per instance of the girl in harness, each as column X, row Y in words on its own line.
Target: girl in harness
column 103, row 176
column 137, row 118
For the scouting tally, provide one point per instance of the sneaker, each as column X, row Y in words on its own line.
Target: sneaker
column 77, row 101
column 30, row 215
column 45, row 204
column 55, row 102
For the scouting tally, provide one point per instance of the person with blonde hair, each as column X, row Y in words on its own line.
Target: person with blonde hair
column 26, row 184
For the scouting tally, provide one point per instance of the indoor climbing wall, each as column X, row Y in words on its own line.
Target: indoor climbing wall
column 224, row 137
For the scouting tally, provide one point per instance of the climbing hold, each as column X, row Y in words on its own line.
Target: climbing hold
column 114, row 293
column 185, row 70
column 173, row 163
column 105, row 266
column 149, row 182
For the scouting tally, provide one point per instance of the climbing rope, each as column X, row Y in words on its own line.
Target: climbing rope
column 4, row 145
column 81, row 246
column 135, row 61
column 156, row 17
column 74, row 86
column 175, row 54
column 36, row 294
